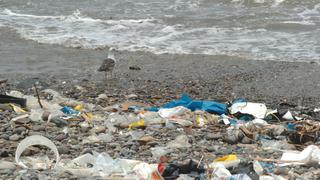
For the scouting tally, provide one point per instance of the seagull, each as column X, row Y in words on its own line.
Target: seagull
column 108, row 64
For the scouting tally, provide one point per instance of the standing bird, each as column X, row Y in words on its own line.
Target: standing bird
column 108, row 64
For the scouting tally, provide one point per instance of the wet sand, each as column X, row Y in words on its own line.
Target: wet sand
column 202, row 76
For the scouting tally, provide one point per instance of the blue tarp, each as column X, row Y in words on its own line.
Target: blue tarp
column 186, row 101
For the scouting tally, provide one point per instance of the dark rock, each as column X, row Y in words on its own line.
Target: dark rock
column 19, row 130
column 213, row 136
column 64, row 150
column 14, row 137
column 61, row 137
column 135, row 68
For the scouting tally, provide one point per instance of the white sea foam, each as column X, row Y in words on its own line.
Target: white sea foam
column 77, row 30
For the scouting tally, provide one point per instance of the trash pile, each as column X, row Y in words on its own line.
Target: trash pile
column 183, row 139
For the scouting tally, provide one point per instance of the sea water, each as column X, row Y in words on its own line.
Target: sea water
column 281, row 30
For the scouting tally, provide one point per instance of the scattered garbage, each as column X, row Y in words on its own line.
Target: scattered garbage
column 240, row 141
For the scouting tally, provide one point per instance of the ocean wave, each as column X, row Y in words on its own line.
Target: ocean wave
column 79, row 31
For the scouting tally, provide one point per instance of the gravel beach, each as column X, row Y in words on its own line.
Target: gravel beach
column 161, row 78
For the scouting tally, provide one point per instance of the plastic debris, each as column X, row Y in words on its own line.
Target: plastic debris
column 258, row 168
column 186, row 101
column 173, row 170
column 309, row 155
column 140, row 123
column 17, row 109
column 240, row 177
column 4, row 99
column 228, row 161
column 35, row 140
column 257, row 110
column 219, row 172
column 69, row 111
column 169, row 112
column 288, row 116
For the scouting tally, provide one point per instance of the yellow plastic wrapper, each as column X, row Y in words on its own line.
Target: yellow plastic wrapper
column 78, row 107
column 231, row 157
column 140, row 123
column 17, row 109
column 228, row 161
column 201, row 121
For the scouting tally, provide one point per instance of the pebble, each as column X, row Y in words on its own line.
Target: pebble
column 61, row 137
column 14, row 137
column 5, row 136
column 19, row 130
column 7, row 165
column 38, row 127
column 22, row 121
column 64, row 150
column 102, row 97
column 213, row 136
column 98, row 129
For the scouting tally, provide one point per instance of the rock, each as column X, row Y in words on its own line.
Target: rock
column 231, row 138
column 102, row 97
column 5, row 136
column 4, row 153
column 64, row 150
column 35, row 133
column 98, row 129
column 14, row 137
column 7, row 165
column 182, row 141
column 135, row 68
column 246, row 140
column 210, row 148
column 113, row 145
column 61, row 137
column 22, row 121
column 45, row 115
column 105, row 137
column 132, row 96
column 146, row 139
column 213, row 136
column 38, row 127
column 19, row 130
column 5, row 107
column 59, row 121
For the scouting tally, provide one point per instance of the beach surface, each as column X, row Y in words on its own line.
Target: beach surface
column 24, row 62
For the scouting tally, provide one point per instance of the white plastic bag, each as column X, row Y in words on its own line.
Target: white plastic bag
column 257, row 110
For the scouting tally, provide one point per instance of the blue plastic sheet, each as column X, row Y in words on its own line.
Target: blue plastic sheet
column 187, row 102
column 69, row 110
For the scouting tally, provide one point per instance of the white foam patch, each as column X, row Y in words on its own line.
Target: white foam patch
column 153, row 35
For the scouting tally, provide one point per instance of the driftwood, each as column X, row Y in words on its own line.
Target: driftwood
column 38, row 96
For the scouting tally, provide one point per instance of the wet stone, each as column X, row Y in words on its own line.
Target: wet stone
column 19, row 130
column 213, row 136
column 14, row 137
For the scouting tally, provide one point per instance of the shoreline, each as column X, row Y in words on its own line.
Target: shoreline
column 202, row 76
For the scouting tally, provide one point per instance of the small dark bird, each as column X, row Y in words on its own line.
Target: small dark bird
column 108, row 64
